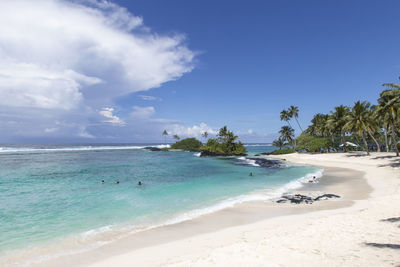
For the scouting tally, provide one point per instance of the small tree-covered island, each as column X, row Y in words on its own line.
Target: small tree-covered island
column 226, row 143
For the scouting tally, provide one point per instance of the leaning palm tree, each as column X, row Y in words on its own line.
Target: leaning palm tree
column 165, row 133
column 357, row 121
column 337, row 120
column 389, row 110
column 176, row 137
column 294, row 112
column 285, row 116
column 287, row 134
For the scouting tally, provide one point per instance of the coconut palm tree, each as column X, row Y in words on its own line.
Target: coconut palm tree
column 337, row 120
column 389, row 110
column 176, row 137
column 165, row 133
column 285, row 116
column 287, row 134
column 357, row 121
column 278, row 143
column 205, row 135
column 318, row 125
column 294, row 112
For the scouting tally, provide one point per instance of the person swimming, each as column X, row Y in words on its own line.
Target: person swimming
column 251, row 174
column 102, row 181
column 117, row 182
column 139, row 183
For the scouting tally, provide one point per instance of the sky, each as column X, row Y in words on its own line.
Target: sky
column 93, row 71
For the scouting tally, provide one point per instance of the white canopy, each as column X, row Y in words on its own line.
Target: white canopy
column 349, row 144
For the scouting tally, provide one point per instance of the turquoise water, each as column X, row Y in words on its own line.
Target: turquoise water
column 53, row 192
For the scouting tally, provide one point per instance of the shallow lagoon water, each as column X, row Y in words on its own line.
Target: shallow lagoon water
column 49, row 193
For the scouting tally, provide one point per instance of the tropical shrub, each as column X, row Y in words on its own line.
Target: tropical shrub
column 188, row 144
column 225, row 144
column 285, row 150
column 313, row 143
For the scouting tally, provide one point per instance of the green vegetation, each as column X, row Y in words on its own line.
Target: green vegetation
column 225, row 144
column 286, row 150
column 313, row 143
column 279, row 143
column 362, row 126
column 188, row 144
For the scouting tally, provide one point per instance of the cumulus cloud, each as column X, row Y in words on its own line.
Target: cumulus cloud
column 193, row 131
column 70, row 56
column 142, row 112
column 111, row 118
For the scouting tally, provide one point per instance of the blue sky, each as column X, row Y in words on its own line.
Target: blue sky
column 133, row 68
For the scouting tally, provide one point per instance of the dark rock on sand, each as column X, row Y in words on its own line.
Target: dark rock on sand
column 299, row 199
column 326, row 196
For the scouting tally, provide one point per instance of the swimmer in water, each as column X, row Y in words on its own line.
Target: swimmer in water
column 139, row 183
column 102, row 181
column 117, row 182
column 251, row 174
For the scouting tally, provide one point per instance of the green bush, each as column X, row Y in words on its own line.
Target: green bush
column 225, row 144
column 285, row 150
column 313, row 143
column 188, row 144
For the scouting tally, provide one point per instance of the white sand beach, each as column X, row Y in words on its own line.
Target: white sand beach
column 346, row 232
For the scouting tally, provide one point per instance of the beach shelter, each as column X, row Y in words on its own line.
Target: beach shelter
column 349, row 144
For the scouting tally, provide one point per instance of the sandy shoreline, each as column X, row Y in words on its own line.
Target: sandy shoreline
column 261, row 234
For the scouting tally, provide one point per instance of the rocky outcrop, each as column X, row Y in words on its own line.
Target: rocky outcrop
column 206, row 153
column 267, row 163
column 300, row 199
column 152, row 148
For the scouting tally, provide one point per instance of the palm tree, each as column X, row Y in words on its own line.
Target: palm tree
column 294, row 112
column 285, row 116
column 389, row 110
column 165, row 133
column 287, row 134
column 357, row 121
column 205, row 135
column 319, row 126
column 176, row 137
column 337, row 120
column 278, row 143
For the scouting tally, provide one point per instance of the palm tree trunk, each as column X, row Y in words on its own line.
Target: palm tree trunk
column 378, row 146
column 386, row 139
column 344, row 141
column 301, row 129
column 365, row 143
column 395, row 141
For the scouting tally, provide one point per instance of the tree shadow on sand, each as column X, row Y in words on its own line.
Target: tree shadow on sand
column 356, row 155
column 383, row 245
column 393, row 164
column 394, row 219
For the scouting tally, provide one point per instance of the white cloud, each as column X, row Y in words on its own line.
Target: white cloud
column 111, row 118
column 83, row 133
column 142, row 112
column 193, row 131
column 150, row 98
column 77, row 57
column 50, row 130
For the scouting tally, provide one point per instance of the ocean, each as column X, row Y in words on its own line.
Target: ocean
column 53, row 193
